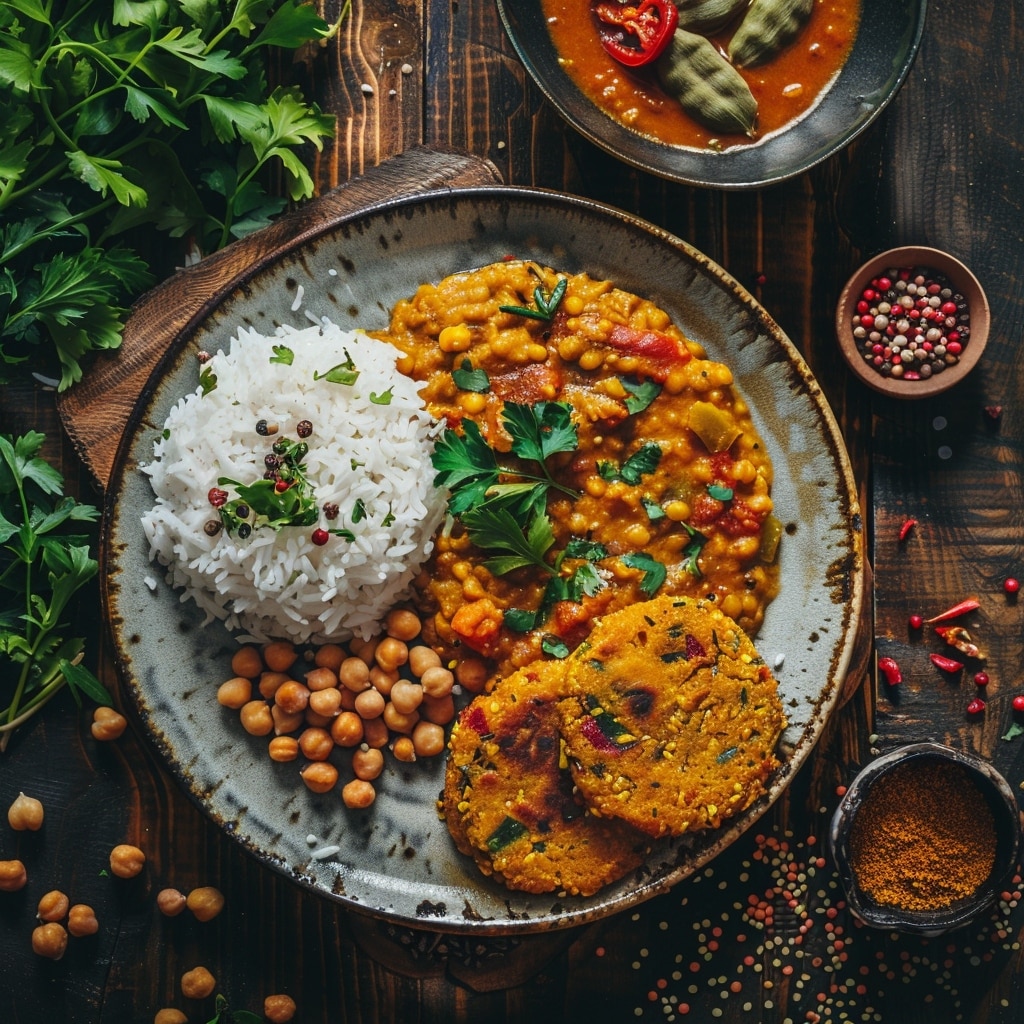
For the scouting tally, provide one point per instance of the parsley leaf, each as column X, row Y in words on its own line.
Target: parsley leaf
column 282, row 354
column 654, row 573
column 468, row 379
column 496, row 529
column 693, row 550
column 644, row 460
column 640, row 395
column 540, row 431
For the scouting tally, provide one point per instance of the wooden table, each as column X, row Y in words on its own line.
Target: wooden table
column 945, row 167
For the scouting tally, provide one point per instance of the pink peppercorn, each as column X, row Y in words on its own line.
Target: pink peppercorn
column 320, row 537
column 1018, row 702
column 915, row 621
column 976, row 706
column 1011, row 585
column 981, row 679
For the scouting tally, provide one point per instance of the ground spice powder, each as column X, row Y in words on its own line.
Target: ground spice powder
column 924, row 837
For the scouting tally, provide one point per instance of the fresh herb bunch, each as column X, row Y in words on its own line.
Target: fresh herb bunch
column 42, row 566
column 119, row 114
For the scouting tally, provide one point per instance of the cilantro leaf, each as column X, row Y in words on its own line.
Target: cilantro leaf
column 282, row 354
column 654, row 573
column 693, row 550
column 496, row 529
column 644, row 460
column 640, row 395
column 652, row 508
column 466, row 465
column 542, row 430
column 468, row 379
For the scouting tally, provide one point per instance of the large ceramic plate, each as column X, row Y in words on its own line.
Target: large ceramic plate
column 396, row 859
column 886, row 42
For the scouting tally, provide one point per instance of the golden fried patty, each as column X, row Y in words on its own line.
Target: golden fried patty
column 509, row 798
column 671, row 717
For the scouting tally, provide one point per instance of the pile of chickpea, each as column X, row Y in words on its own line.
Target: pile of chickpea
column 389, row 692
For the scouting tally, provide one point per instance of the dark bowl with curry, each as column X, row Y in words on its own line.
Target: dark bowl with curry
column 925, row 838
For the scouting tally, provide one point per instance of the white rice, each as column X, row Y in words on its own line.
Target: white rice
column 278, row 584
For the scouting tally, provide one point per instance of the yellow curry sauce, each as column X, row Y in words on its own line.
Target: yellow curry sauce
column 703, row 512
column 785, row 89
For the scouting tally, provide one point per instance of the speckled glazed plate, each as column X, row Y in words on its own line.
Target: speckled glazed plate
column 395, row 860
column 887, row 39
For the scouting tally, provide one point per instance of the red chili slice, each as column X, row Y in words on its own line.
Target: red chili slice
column 652, row 344
column 636, row 33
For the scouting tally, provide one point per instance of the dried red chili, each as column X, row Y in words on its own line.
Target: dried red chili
column 636, row 34
column 908, row 525
column 946, row 664
column 891, row 671
column 970, row 604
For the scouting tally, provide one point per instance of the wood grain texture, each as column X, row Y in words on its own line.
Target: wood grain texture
column 942, row 167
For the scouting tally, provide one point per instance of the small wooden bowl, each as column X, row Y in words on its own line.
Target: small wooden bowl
column 992, row 788
column 960, row 279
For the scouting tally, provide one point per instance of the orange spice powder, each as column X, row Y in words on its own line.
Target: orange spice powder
column 923, row 838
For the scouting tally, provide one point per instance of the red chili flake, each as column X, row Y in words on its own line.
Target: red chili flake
column 694, row 648
column 946, row 664
column 908, row 525
column 915, row 621
column 970, row 604
column 591, row 729
column 761, row 278
column 320, row 537
column 891, row 671
column 976, row 706
column 993, row 412
column 476, row 720
column 1011, row 585
column 217, row 497
column 1018, row 702
column 281, row 486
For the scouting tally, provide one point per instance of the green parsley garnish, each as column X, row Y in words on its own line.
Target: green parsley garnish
column 207, row 381
column 468, row 379
column 720, row 493
column 692, row 550
column 652, row 508
column 343, row 373
column 384, row 398
column 640, row 395
column 282, row 354
column 644, row 460
column 654, row 573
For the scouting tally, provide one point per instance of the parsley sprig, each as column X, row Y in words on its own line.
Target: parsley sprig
column 118, row 115
column 42, row 566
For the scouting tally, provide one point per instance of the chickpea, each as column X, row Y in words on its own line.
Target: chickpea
column 364, row 649
column 82, row 921
column 354, row 674
column 256, row 718
column 170, row 902
column 107, row 724
column 320, row 776
column 391, row 654
column 234, row 693
column 370, row 704
column 437, row 682
column 126, row 861
column 382, row 680
column 246, row 661
column 50, row 940
column 406, row 696
column 402, row 624
column 375, row 733
column 421, row 658
column 169, row 1015
column 367, row 763
column 283, row 749
column 404, row 749
column 13, row 875
column 279, row 1009
column 292, row 697
column 428, row 739
column 271, row 682
column 397, row 722
column 329, row 656
column 358, row 794
column 206, row 902
column 322, row 679
column 472, row 674
column 326, row 703
column 25, row 813
column 286, row 721
column 439, row 710
column 197, row 983
column 316, row 744
column 280, row 655
column 348, row 699
column 53, row 906
column 347, row 729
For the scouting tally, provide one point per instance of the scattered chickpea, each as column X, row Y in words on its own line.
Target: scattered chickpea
column 285, row 721
column 472, row 674
column 316, row 744
column 370, row 703
column 329, row 656
column 402, row 624
column 358, row 794
column 170, row 902
column 256, row 718
column 364, row 649
column 197, row 983
column 206, row 902
column 398, row 722
column 439, row 710
column 246, row 661
column 271, row 682
column 169, row 1015
column 279, row 1009
column 406, row 696
column 404, row 749
column 53, row 906
column 322, row 678
column 422, row 658
column 292, row 697
column 126, row 861
column 375, row 733
column 107, row 724
column 283, row 748
column 26, row 813
column 437, row 681
column 320, row 776
column 326, row 703
column 82, row 921
column 391, row 653
column 50, row 940
column 382, row 680
column 13, row 875
column 347, row 729
column 235, row 693
column 428, row 739
column 367, row 763
column 280, row 656
column 354, row 674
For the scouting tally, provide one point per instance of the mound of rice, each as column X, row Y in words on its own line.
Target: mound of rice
column 368, row 455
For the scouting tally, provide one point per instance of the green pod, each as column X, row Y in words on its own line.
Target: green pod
column 707, row 16
column 768, row 27
column 707, row 86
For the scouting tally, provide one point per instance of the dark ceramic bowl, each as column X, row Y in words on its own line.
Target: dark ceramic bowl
column 883, row 51
column 961, row 280
column 1002, row 802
